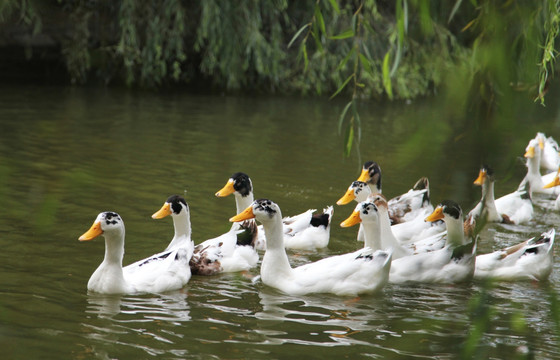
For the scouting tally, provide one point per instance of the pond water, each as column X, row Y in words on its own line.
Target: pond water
column 68, row 153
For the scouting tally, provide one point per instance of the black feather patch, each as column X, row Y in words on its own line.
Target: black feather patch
column 374, row 172
column 451, row 208
column 161, row 257
column 175, row 201
column 320, row 220
column 366, row 257
column 367, row 207
column 249, row 235
column 242, row 183
column 111, row 217
column 460, row 251
column 488, row 169
column 266, row 206
column 358, row 186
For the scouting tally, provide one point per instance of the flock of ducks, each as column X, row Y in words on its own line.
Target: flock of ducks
column 405, row 238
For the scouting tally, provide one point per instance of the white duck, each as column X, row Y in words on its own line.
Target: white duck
column 451, row 264
column 513, row 208
column 165, row 271
column 555, row 182
column 533, row 177
column 363, row 271
column 550, row 159
column 530, row 260
column 402, row 208
column 406, row 232
column 379, row 235
column 305, row 231
column 230, row 252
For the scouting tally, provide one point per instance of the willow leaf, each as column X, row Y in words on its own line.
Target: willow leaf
column 320, row 20
column 317, row 41
column 344, row 35
column 305, row 58
column 298, row 34
column 334, row 4
column 366, row 64
column 454, row 10
column 400, row 21
column 387, row 76
column 348, row 140
column 357, row 120
column 397, row 59
column 469, row 25
column 342, row 86
column 343, row 115
column 345, row 60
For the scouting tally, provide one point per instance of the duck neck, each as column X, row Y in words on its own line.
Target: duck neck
column 533, row 165
column 109, row 276
column 388, row 240
column 488, row 201
column 182, row 226
column 455, row 232
column 374, row 189
column 275, row 260
column 243, row 202
column 114, row 248
column 372, row 235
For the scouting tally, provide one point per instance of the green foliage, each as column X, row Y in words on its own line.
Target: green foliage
column 242, row 43
column 151, row 43
column 549, row 52
column 364, row 49
column 26, row 11
column 75, row 47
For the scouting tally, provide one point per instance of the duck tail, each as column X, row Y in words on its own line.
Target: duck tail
column 524, row 190
column 248, row 234
column 546, row 239
column 423, row 184
column 323, row 219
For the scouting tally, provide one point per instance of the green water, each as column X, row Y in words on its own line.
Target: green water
column 68, row 153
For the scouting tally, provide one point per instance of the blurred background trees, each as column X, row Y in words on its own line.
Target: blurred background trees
column 369, row 49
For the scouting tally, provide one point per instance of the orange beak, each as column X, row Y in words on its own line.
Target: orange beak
column 352, row 220
column 93, row 232
column 226, row 190
column 436, row 215
column 244, row 215
column 481, row 178
column 347, row 197
column 364, row 176
column 163, row 212
column 553, row 183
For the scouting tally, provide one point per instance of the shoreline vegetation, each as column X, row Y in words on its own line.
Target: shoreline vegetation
column 363, row 49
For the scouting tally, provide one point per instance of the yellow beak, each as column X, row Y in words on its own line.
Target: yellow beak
column 481, row 178
column 364, row 176
column 244, row 215
column 530, row 153
column 541, row 144
column 553, row 183
column 347, row 197
column 352, row 220
column 226, row 190
column 163, row 212
column 436, row 215
column 93, row 232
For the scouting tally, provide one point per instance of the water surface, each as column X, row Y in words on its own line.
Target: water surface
column 68, row 153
